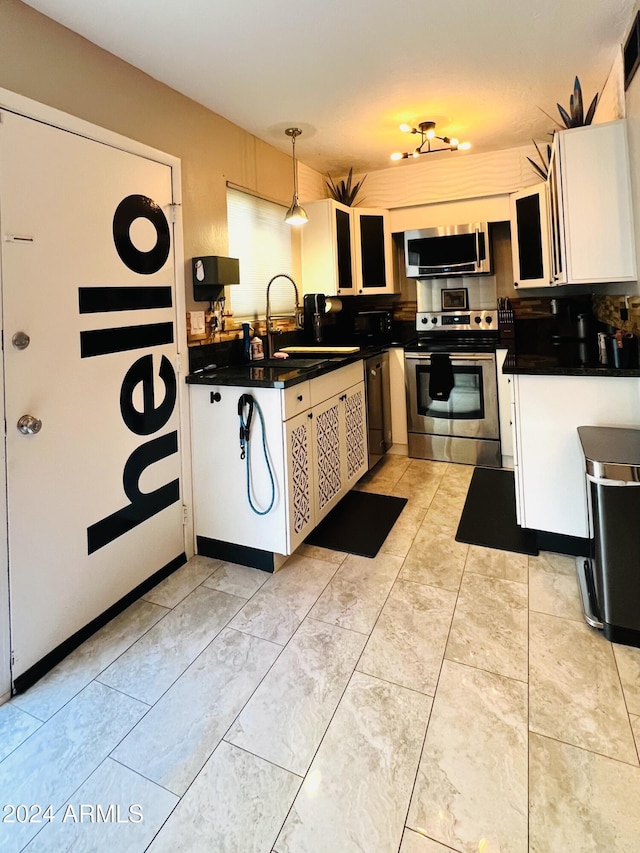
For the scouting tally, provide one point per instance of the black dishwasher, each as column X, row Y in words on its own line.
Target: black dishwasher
column 378, row 406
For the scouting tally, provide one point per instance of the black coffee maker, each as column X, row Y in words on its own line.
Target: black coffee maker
column 573, row 331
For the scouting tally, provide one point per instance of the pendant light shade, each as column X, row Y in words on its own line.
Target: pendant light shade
column 296, row 214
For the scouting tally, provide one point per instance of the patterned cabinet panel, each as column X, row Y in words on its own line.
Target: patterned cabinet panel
column 299, row 462
column 329, row 478
column 355, row 434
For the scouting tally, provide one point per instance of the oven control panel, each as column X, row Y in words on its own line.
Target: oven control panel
column 450, row 321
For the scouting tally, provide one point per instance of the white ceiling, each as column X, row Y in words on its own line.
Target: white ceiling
column 348, row 73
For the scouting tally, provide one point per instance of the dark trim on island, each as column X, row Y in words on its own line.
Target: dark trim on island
column 230, row 553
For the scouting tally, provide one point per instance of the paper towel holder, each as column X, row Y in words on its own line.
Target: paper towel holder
column 210, row 275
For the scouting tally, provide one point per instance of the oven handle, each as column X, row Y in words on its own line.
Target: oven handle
column 460, row 356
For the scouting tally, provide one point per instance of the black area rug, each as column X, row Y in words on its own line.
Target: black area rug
column 359, row 524
column 489, row 514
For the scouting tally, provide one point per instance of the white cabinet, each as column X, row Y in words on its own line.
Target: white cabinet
column 530, row 237
column 590, row 206
column 316, row 440
column 505, row 404
column 346, row 251
column 549, row 465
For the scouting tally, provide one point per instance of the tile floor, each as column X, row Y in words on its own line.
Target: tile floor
column 440, row 697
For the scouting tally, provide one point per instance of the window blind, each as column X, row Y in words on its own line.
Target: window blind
column 261, row 239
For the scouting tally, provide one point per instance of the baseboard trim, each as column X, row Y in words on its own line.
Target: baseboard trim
column 241, row 554
column 35, row 672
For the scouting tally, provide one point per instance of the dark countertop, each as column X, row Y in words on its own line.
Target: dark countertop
column 534, row 364
column 274, row 373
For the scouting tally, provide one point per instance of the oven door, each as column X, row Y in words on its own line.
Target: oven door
column 472, row 408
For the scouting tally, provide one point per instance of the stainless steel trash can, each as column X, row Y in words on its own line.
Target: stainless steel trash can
column 610, row 578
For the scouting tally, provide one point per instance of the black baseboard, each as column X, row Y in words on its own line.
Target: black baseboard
column 35, row 672
column 230, row 553
column 573, row 546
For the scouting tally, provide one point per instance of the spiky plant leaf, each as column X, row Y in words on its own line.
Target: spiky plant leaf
column 576, row 106
column 566, row 118
column 543, row 174
column 591, row 111
column 344, row 191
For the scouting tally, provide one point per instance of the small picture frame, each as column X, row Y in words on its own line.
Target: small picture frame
column 455, row 299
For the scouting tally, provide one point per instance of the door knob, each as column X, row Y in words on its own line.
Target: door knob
column 28, row 425
column 21, row 340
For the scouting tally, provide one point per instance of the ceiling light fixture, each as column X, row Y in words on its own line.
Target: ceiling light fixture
column 427, row 131
column 295, row 215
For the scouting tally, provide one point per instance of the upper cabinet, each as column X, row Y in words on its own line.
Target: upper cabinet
column 346, row 251
column 530, row 237
column 578, row 227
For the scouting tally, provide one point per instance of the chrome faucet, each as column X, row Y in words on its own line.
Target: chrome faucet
column 274, row 330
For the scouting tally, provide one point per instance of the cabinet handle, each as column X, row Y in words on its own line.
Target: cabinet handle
column 342, row 398
column 310, row 415
column 215, row 397
column 299, row 398
column 515, row 283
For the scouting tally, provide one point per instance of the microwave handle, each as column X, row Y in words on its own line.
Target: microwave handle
column 477, row 246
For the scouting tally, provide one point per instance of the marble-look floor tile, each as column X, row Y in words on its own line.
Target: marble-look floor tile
column 287, row 716
column 403, row 532
column 489, row 629
column 561, row 564
column 407, row 644
column 574, row 691
column 628, row 662
column 48, row 767
column 177, row 736
column 236, row 805
column 15, row 727
column 435, row 558
column 413, row 842
column 71, row 675
column 581, row 801
column 553, row 590
column 237, row 580
column 418, row 494
column 318, row 553
column 178, row 585
column 635, row 728
column 446, row 508
column 497, row 564
column 357, row 592
column 356, row 793
column 471, row 788
column 152, row 664
column 135, row 810
column 277, row 609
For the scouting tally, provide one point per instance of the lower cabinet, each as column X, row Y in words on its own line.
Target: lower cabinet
column 316, row 441
column 326, row 454
column 549, row 465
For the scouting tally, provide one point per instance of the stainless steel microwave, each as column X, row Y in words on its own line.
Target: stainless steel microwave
column 448, row 251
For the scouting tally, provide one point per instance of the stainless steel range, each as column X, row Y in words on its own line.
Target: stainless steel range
column 451, row 386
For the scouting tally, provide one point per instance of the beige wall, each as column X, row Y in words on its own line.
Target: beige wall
column 47, row 62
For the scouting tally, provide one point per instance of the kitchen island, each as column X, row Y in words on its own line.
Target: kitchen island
column 255, row 501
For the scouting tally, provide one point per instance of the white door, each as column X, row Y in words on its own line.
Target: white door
column 94, row 504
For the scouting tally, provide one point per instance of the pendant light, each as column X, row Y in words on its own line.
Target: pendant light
column 296, row 214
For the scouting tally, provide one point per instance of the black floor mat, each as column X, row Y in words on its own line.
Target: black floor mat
column 359, row 524
column 489, row 514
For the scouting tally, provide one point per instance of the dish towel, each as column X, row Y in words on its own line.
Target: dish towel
column 441, row 380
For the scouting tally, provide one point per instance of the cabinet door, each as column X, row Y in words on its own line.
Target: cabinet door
column 597, row 213
column 299, row 464
column 328, row 477
column 373, row 257
column 530, row 237
column 353, row 440
column 344, row 250
column 556, row 227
